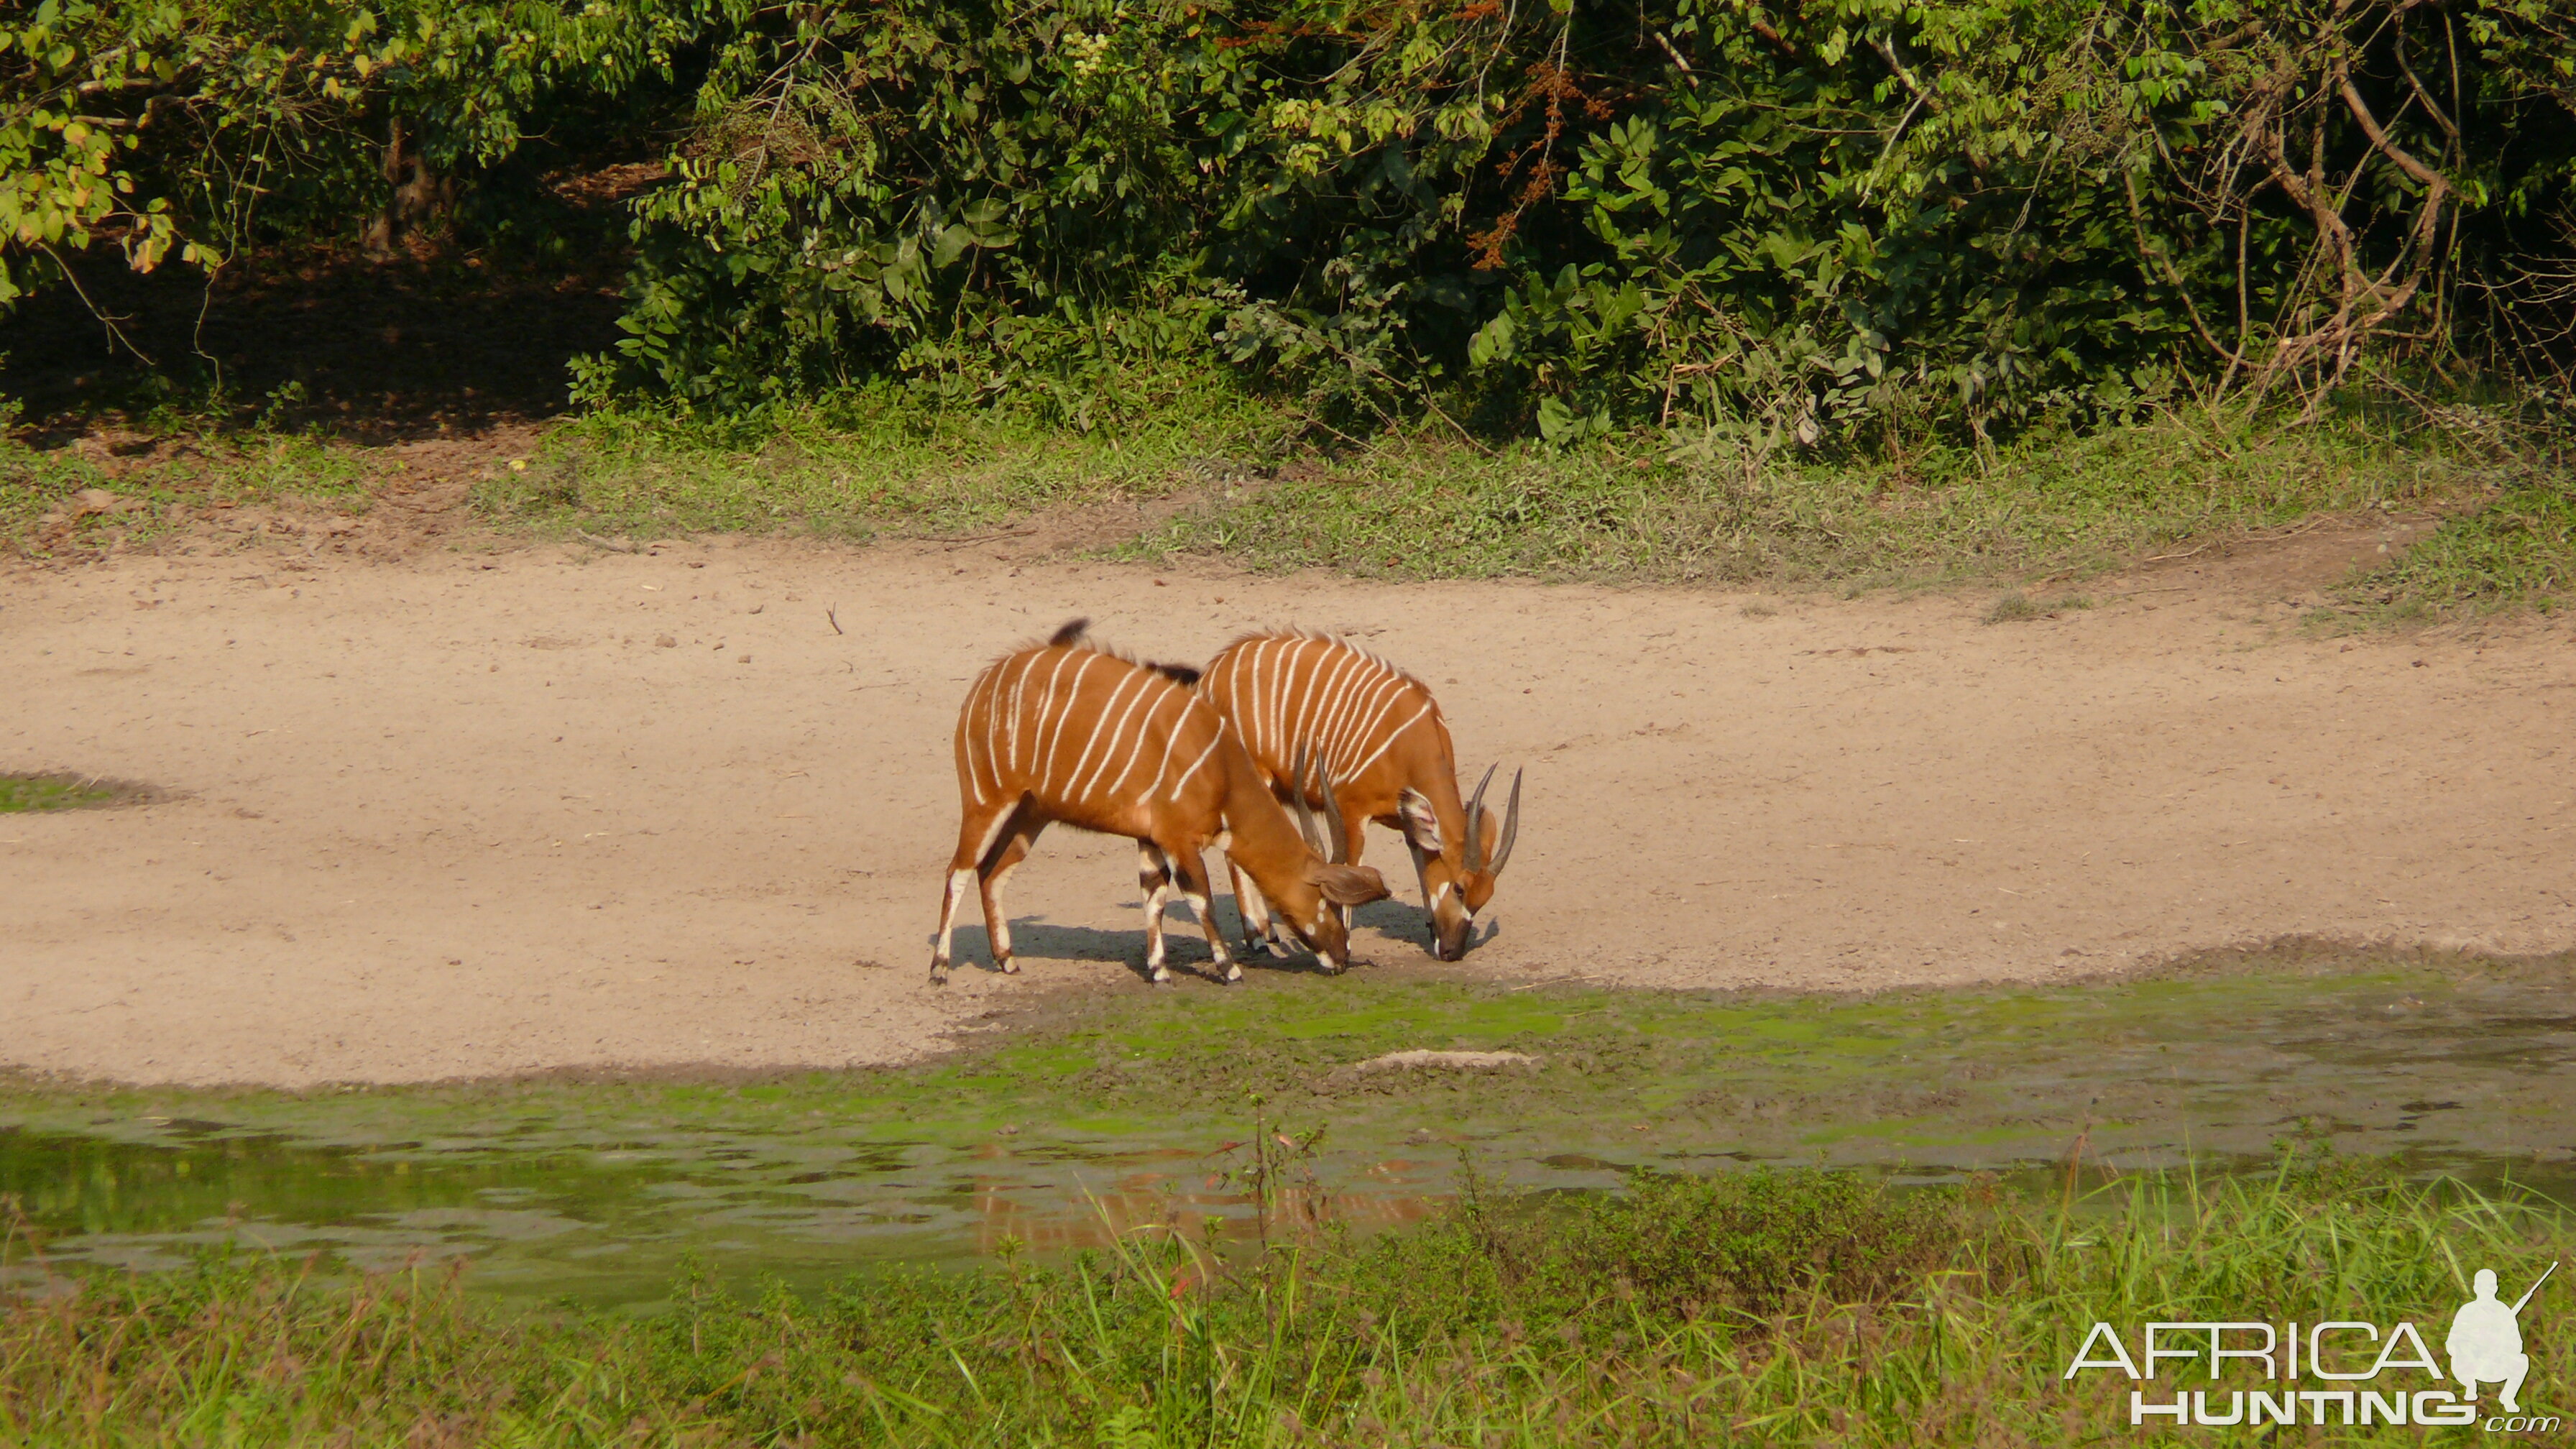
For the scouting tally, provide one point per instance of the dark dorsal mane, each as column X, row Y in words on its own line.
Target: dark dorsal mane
column 1077, row 632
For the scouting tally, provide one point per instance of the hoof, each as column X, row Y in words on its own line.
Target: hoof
column 1010, row 966
column 1233, row 972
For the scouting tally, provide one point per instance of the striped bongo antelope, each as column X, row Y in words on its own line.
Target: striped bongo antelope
column 1379, row 734
column 1068, row 732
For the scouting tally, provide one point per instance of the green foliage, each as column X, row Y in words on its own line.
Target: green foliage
column 195, row 129
column 1836, row 222
column 1578, row 220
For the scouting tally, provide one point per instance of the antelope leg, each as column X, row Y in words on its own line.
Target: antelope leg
column 1154, row 874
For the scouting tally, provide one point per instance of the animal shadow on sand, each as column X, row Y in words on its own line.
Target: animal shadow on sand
column 1184, row 946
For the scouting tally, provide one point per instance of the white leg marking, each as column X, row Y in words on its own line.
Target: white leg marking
column 993, row 832
column 1252, row 907
column 958, row 881
column 995, row 917
column 1149, row 861
column 1203, row 911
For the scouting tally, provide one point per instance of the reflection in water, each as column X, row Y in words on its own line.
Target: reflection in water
column 610, row 1226
column 1094, row 1217
column 593, row 1204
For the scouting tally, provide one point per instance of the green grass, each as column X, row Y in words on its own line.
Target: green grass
column 1685, row 509
column 2517, row 549
column 1224, row 475
column 1767, row 1308
column 878, row 463
column 57, row 792
column 1145, row 1089
column 44, row 511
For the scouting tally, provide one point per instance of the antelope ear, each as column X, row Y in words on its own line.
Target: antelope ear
column 1420, row 820
column 1348, row 885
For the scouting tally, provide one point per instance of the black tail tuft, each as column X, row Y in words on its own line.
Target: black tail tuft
column 1180, row 674
column 1071, row 633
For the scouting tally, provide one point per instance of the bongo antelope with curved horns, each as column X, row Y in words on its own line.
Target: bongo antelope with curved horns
column 1380, row 735
column 1066, row 731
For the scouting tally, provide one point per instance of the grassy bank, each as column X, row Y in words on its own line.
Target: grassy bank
column 1796, row 1307
column 1182, row 465
column 1137, row 1105
column 1227, row 480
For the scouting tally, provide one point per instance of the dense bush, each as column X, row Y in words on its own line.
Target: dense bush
column 1573, row 217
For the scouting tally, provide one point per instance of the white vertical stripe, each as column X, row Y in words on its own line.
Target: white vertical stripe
column 1171, row 740
column 1311, row 664
column 1346, row 669
column 1214, row 739
column 1391, row 737
column 1006, row 703
column 1047, row 748
column 1248, row 707
column 1247, row 718
column 1082, row 784
column 1366, row 711
column 1045, row 714
column 1099, row 722
column 1144, row 732
column 977, row 732
column 1280, row 671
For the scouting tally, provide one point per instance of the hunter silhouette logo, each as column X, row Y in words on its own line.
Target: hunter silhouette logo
column 2340, row 1372
column 2486, row 1341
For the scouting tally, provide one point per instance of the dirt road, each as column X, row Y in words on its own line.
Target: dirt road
column 492, row 812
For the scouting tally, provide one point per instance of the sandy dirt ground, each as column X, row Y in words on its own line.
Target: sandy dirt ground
column 490, row 809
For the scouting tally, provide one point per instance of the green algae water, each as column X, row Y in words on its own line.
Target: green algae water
column 1129, row 1109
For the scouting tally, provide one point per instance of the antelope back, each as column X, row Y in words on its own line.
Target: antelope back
column 1096, row 739
column 1296, row 698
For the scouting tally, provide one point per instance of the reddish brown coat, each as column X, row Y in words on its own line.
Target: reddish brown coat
column 1067, row 733
column 1296, row 696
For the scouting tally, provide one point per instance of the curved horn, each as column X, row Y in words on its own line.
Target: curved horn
column 1475, row 845
column 1341, row 851
column 1305, row 817
column 1511, row 827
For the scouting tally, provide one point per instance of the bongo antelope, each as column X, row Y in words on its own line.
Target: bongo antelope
column 1066, row 731
column 1379, row 733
